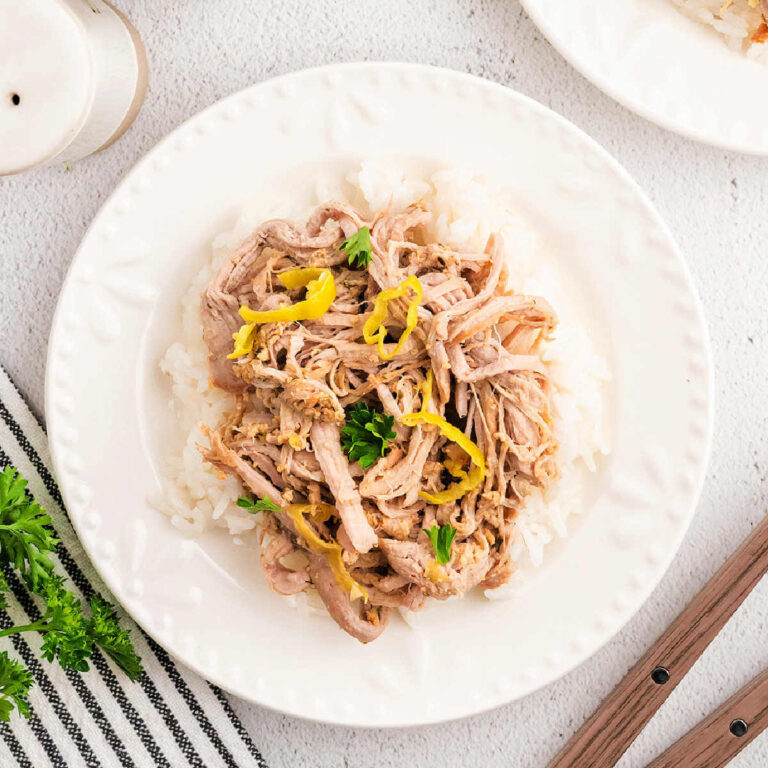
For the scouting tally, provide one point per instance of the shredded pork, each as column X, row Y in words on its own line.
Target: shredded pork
column 483, row 345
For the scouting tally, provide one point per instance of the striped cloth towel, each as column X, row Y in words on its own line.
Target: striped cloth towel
column 170, row 718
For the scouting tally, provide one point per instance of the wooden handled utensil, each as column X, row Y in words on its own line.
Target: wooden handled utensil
column 605, row 736
column 716, row 740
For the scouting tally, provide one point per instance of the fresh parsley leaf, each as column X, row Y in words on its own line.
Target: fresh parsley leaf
column 66, row 635
column 366, row 434
column 70, row 638
column 105, row 632
column 358, row 248
column 259, row 505
column 25, row 538
column 3, row 589
column 26, row 542
column 15, row 682
column 441, row 539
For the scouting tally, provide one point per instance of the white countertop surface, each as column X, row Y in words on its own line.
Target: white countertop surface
column 714, row 202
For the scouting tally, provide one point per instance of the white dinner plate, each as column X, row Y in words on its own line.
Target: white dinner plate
column 206, row 600
column 663, row 65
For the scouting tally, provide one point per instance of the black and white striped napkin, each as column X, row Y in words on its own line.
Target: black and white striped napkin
column 170, row 718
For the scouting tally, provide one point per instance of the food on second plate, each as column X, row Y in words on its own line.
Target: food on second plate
column 381, row 400
column 743, row 23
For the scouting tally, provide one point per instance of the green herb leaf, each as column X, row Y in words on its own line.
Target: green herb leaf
column 15, row 682
column 358, row 248
column 3, row 590
column 105, row 632
column 259, row 505
column 366, row 434
column 25, row 539
column 66, row 629
column 26, row 542
column 441, row 539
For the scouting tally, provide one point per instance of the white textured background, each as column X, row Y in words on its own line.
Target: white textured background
column 715, row 203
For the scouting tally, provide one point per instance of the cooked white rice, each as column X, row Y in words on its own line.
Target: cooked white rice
column 736, row 21
column 465, row 210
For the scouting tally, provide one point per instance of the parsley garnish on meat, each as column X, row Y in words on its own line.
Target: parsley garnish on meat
column 358, row 248
column 366, row 434
column 259, row 505
column 69, row 636
column 441, row 539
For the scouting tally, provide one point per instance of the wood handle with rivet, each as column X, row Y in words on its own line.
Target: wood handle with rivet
column 605, row 736
column 716, row 740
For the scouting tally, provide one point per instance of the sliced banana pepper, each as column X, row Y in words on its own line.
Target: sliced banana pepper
column 374, row 330
column 330, row 549
column 468, row 481
column 321, row 292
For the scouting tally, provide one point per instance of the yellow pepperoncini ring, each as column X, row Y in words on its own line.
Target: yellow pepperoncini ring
column 468, row 481
column 374, row 329
column 321, row 292
column 331, row 549
column 243, row 341
column 319, row 512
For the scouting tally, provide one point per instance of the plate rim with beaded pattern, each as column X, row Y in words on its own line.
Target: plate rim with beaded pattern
column 205, row 600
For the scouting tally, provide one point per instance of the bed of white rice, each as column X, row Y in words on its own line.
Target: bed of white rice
column 736, row 22
column 465, row 210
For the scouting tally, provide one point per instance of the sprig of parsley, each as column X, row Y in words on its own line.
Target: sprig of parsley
column 358, row 248
column 15, row 682
column 366, row 434
column 259, row 505
column 107, row 634
column 64, row 627
column 69, row 637
column 25, row 537
column 441, row 539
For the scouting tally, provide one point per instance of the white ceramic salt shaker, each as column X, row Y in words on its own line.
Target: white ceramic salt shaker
column 73, row 74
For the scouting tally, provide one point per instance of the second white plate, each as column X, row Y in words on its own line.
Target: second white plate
column 663, row 65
